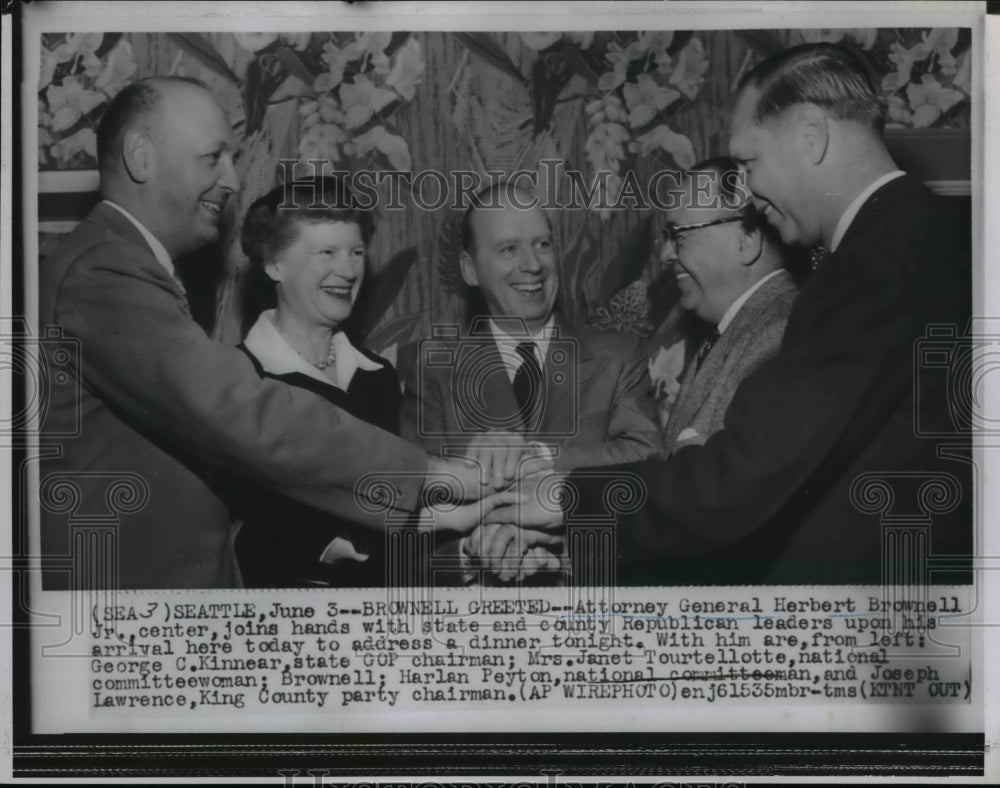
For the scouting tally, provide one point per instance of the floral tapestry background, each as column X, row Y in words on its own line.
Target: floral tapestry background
column 612, row 105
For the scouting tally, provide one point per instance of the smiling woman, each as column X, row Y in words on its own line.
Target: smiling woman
column 313, row 258
column 308, row 242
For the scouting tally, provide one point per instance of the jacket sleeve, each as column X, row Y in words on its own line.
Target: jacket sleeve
column 745, row 357
column 144, row 355
column 422, row 414
column 846, row 361
column 633, row 433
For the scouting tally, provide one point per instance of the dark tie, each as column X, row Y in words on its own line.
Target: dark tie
column 817, row 256
column 528, row 384
column 706, row 348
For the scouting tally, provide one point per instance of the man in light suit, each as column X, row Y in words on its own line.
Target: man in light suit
column 521, row 379
column 165, row 413
column 730, row 272
column 793, row 488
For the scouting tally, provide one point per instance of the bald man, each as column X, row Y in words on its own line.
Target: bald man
column 137, row 497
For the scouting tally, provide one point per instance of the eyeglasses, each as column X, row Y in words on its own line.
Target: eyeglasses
column 672, row 231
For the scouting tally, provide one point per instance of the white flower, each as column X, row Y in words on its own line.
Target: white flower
column 604, row 145
column 902, row 58
column 582, row 38
column 605, row 149
column 619, row 59
column 47, row 70
column 373, row 44
column 645, row 98
column 690, row 68
column 898, row 111
column 84, row 46
column 607, row 108
column 70, row 101
column 361, row 99
column 665, row 369
column 539, row 40
column 656, row 43
column 336, row 59
column 330, row 110
column 119, row 71
column 939, row 41
column 254, row 42
column 321, row 141
column 929, row 100
column 407, row 70
column 864, row 37
column 83, row 140
column 677, row 145
column 393, row 146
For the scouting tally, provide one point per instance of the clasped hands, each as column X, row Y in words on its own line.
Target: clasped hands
column 513, row 522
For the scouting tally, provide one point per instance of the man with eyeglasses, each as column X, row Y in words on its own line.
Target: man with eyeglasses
column 731, row 274
column 842, row 459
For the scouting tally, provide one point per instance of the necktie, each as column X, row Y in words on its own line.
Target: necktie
column 528, row 385
column 706, row 348
column 817, row 256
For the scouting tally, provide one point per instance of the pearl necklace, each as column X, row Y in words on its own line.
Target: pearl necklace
column 331, row 356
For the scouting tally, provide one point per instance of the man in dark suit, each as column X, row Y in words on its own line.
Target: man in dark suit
column 830, row 448
column 729, row 269
column 522, row 380
column 136, row 496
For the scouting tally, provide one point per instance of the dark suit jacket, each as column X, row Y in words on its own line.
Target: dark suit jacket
column 171, row 412
column 769, row 498
column 753, row 336
column 597, row 408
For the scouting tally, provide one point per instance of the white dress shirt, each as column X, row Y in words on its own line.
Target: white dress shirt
column 159, row 251
column 852, row 210
column 734, row 307
column 507, row 345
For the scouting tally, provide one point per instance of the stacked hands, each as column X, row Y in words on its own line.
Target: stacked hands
column 510, row 518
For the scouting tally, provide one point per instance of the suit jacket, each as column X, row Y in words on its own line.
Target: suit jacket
column 272, row 554
column 170, row 413
column 793, row 488
column 753, row 336
column 597, row 406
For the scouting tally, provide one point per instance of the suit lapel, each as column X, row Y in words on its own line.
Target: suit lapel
column 698, row 385
column 482, row 378
column 564, row 385
column 118, row 224
column 483, row 375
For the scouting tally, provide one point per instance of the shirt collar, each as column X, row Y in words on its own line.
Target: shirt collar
column 277, row 357
column 159, row 251
column 852, row 210
column 541, row 338
column 734, row 307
